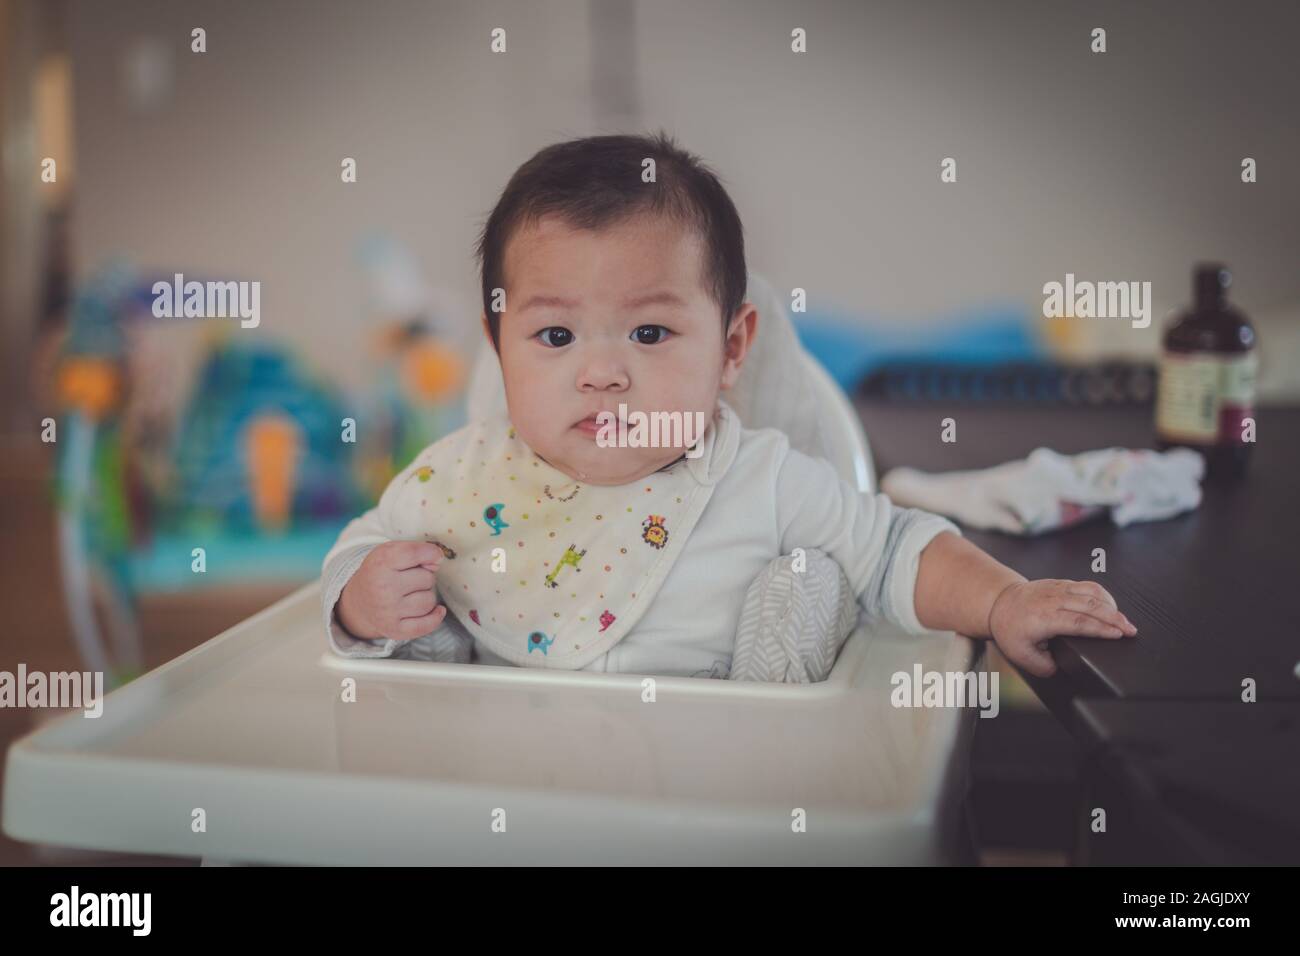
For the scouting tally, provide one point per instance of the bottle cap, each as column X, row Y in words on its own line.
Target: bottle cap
column 1211, row 281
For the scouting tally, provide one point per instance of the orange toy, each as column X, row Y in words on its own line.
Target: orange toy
column 90, row 385
column 431, row 373
column 273, row 443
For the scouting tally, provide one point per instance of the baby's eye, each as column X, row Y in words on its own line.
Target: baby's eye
column 554, row 336
column 650, row 334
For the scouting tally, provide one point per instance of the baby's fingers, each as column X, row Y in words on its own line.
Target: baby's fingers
column 410, row 628
column 1083, row 625
column 1090, row 589
column 400, row 555
column 416, row 605
column 414, row 580
column 1095, row 607
column 1034, row 657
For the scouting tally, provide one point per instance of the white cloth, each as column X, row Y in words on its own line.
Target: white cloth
column 769, row 501
column 1049, row 490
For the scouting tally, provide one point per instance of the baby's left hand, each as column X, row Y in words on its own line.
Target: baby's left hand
column 1026, row 614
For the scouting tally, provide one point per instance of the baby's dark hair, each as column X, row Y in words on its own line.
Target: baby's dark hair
column 596, row 182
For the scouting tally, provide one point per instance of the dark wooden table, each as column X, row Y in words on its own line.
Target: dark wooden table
column 1208, row 782
column 1215, row 594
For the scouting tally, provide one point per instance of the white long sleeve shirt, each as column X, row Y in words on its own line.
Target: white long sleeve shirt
column 767, row 501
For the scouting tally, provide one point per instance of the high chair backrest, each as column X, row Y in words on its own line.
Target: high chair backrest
column 780, row 386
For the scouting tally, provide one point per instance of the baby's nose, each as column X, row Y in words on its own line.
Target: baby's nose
column 602, row 374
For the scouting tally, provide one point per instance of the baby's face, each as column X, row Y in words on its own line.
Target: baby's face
column 598, row 319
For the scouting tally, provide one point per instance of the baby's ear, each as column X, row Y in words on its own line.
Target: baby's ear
column 487, row 330
column 747, row 316
column 740, row 338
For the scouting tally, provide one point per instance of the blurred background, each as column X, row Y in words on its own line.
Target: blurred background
column 225, row 165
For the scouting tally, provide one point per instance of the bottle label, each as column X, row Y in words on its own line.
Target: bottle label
column 1204, row 398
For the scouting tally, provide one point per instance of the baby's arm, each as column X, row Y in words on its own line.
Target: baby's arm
column 961, row 588
column 364, row 535
column 361, row 536
column 877, row 544
column 914, row 568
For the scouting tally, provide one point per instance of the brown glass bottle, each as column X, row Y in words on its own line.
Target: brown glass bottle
column 1208, row 365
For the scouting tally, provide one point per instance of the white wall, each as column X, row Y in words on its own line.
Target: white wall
column 238, row 174
column 1123, row 165
column 1115, row 166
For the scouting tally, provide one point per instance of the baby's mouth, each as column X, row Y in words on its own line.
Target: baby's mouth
column 593, row 423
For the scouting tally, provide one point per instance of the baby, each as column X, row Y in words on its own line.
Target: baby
column 608, row 292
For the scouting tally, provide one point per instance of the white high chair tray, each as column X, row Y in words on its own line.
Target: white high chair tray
column 252, row 727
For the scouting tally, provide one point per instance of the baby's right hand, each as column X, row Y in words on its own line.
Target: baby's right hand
column 391, row 594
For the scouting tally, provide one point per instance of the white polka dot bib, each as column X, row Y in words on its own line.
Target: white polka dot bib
column 545, row 570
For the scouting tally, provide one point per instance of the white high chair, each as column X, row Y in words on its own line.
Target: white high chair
column 466, row 763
